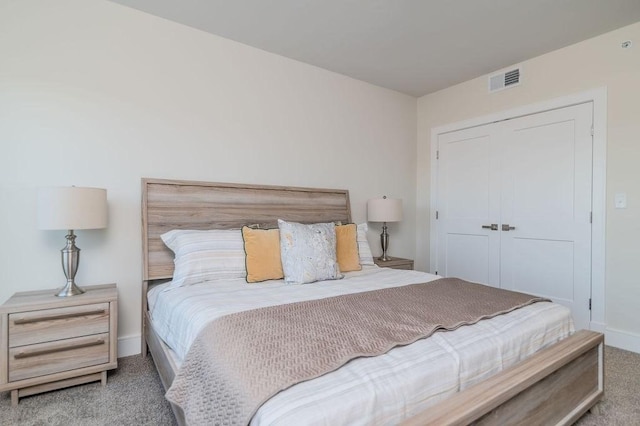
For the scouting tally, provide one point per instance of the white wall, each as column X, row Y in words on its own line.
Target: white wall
column 594, row 63
column 96, row 94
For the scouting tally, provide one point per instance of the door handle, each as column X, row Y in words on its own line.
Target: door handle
column 493, row 226
column 506, row 227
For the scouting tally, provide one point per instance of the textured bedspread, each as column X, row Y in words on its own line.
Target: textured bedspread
column 240, row 360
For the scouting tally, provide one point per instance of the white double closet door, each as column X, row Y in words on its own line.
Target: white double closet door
column 514, row 206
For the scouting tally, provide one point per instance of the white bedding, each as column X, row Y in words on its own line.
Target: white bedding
column 378, row 390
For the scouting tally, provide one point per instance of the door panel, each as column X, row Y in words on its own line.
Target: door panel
column 546, row 196
column 467, row 201
column 468, row 178
column 539, row 271
column 468, row 257
column 539, row 170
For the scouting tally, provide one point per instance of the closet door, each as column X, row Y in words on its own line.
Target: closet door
column 468, row 205
column 530, row 178
column 546, row 199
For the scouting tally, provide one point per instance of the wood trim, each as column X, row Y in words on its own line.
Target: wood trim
column 45, row 387
column 26, row 353
column 164, row 364
column 145, row 237
column 57, row 376
column 4, row 348
column 146, row 286
column 394, row 263
column 113, row 333
column 26, row 301
column 27, row 328
column 44, row 359
column 32, row 320
column 532, row 387
column 143, row 340
column 178, row 204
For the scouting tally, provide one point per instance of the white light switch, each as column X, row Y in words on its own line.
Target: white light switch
column 621, row 201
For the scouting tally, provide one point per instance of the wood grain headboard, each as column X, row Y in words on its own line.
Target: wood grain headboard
column 178, row 204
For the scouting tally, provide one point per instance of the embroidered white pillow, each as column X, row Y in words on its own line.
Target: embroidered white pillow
column 205, row 255
column 366, row 258
column 308, row 252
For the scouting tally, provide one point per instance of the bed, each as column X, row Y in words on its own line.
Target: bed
column 534, row 387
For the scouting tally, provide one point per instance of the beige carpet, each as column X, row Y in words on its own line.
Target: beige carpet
column 621, row 403
column 134, row 396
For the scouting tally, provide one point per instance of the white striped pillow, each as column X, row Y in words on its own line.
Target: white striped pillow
column 205, row 255
column 366, row 257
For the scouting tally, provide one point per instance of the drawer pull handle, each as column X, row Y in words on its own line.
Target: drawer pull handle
column 59, row 317
column 23, row 355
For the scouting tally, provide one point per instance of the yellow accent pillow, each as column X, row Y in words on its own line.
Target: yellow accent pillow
column 262, row 249
column 347, row 248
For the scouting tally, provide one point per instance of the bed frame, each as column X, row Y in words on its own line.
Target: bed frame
column 556, row 385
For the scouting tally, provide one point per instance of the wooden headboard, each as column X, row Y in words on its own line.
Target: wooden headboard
column 178, row 204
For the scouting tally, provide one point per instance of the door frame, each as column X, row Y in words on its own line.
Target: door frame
column 598, row 97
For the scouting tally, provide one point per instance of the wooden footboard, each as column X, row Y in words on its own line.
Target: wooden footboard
column 553, row 387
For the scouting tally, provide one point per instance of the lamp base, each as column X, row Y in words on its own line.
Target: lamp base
column 71, row 289
column 384, row 242
column 70, row 262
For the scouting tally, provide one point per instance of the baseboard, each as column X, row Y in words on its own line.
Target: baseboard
column 129, row 345
column 622, row 339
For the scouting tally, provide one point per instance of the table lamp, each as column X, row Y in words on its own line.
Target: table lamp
column 71, row 208
column 384, row 210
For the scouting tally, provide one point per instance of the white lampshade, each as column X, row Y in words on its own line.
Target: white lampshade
column 384, row 210
column 72, row 208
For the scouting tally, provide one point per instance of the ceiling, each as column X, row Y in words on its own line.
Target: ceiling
column 412, row 46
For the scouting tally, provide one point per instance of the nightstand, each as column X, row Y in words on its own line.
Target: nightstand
column 394, row 263
column 49, row 342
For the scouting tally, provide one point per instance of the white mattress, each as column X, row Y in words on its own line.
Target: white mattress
column 380, row 390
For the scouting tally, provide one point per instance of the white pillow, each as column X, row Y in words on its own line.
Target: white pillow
column 366, row 257
column 205, row 255
column 308, row 252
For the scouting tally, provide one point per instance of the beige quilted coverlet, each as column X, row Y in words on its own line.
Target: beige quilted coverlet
column 240, row 360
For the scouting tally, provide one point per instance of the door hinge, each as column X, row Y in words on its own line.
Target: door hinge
column 592, row 130
column 590, row 217
column 437, row 215
column 589, row 304
column 438, row 154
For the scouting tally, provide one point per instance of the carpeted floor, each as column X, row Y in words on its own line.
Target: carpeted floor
column 621, row 403
column 134, row 396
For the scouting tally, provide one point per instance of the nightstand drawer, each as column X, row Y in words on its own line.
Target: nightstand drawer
column 407, row 266
column 62, row 355
column 27, row 328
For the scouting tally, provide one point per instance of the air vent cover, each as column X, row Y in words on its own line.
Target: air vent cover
column 504, row 80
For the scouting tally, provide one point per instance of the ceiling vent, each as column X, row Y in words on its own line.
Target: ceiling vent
column 504, row 80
